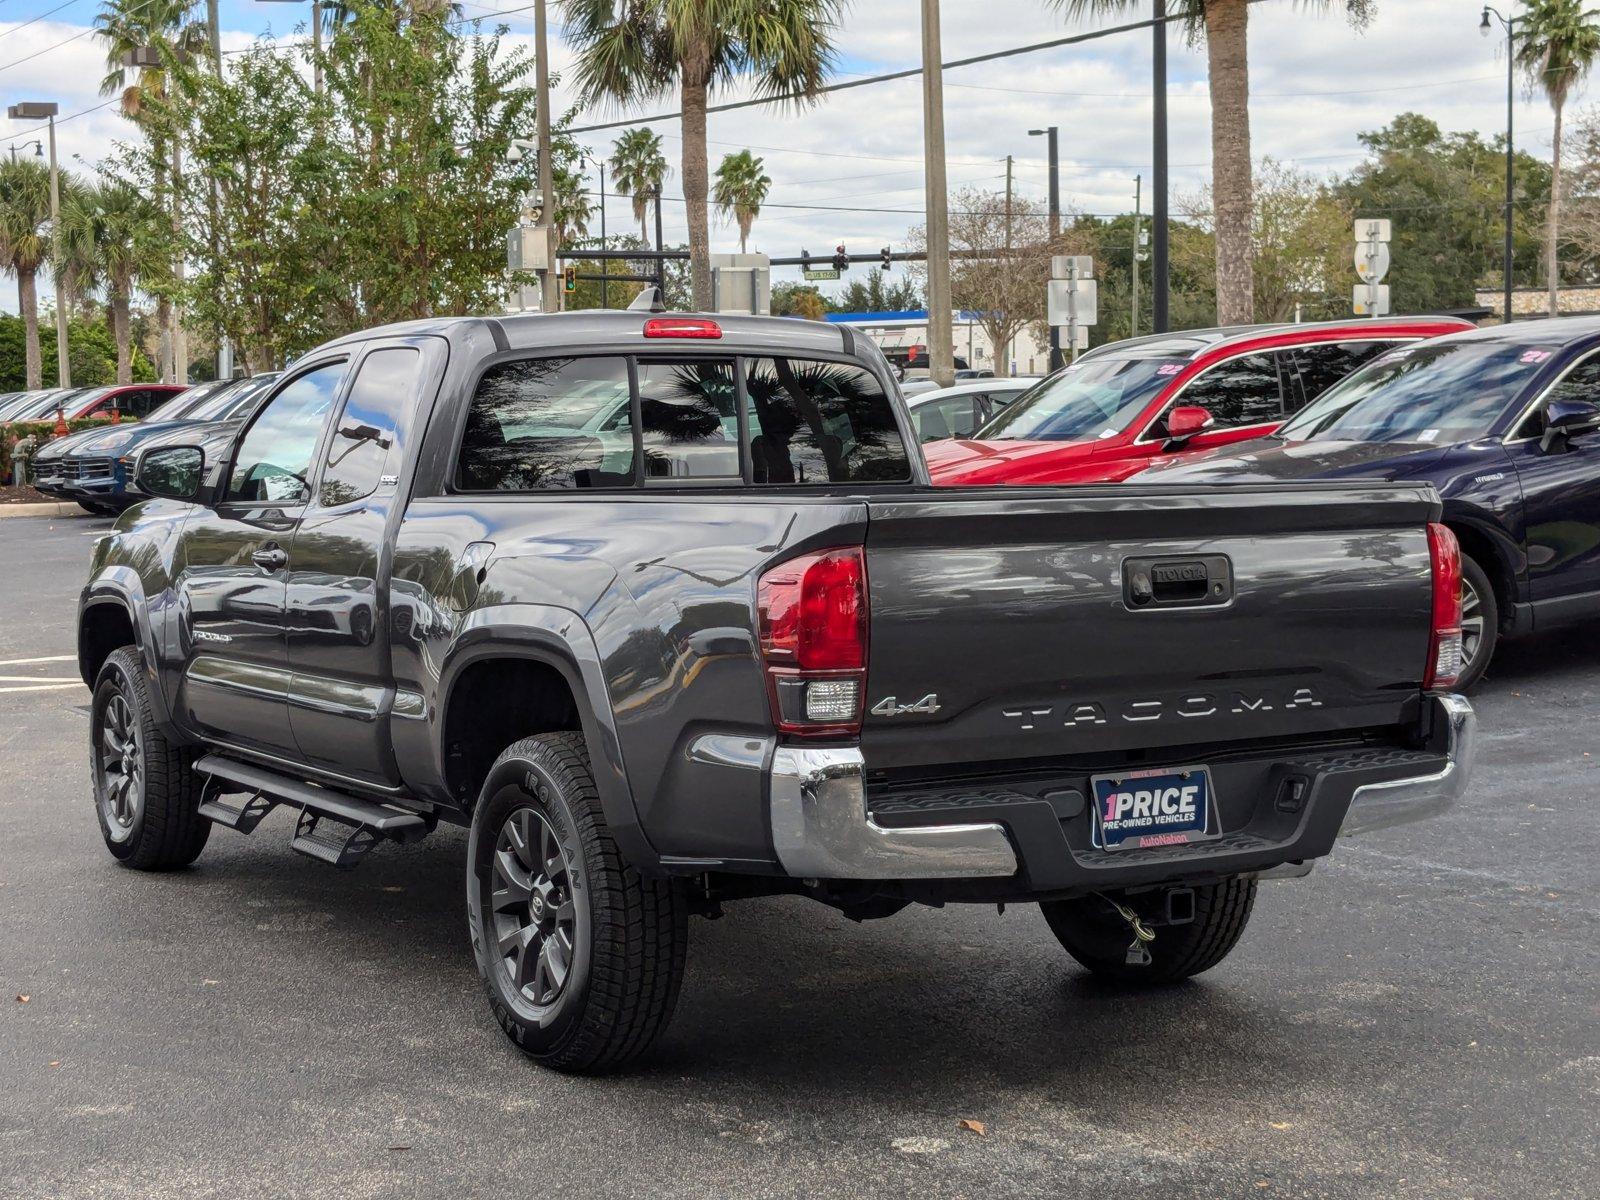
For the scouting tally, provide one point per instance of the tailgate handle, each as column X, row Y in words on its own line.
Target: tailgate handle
column 1197, row 581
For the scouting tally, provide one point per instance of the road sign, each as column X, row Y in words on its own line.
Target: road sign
column 1370, row 299
column 821, row 274
column 1069, row 307
column 1372, row 261
column 1061, row 266
column 1372, row 229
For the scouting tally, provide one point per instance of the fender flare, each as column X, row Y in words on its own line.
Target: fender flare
column 558, row 638
column 121, row 586
column 1510, row 558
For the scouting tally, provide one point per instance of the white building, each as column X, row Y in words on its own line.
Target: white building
column 908, row 328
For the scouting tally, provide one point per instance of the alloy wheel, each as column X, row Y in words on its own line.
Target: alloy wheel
column 531, row 907
column 121, row 766
column 1471, row 624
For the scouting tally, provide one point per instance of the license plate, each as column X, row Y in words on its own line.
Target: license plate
column 1163, row 807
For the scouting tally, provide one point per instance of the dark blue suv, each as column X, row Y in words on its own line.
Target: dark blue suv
column 1505, row 422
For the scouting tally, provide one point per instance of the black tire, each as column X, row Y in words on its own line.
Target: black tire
column 623, row 938
column 1097, row 936
column 1475, row 583
column 146, row 793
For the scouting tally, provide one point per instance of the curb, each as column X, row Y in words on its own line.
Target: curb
column 48, row 508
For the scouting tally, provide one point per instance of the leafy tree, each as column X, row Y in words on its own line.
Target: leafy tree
column 741, row 190
column 1559, row 42
column 1001, row 267
column 638, row 169
column 800, row 300
column 1299, row 242
column 91, row 355
column 875, row 291
column 646, row 49
column 25, row 245
column 1224, row 25
column 1444, row 193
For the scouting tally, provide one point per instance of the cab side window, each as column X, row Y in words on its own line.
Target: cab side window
column 274, row 457
column 366, row 439
column 538, row 424
column 1240, row 391
column 817, row 422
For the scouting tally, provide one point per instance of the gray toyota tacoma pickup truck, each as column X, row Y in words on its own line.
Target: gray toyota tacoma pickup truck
column 663, row 609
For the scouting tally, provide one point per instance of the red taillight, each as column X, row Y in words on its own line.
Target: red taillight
column 1444, row 645
column 681, row 327
column 812, row 613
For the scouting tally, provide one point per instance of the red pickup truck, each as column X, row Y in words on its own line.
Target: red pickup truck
column 1121, row 406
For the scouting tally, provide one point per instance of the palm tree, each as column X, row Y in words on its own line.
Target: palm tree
column 115, row 233
column 573, row 210
column 1559, row 43
column 741, row 190
column 1224, row 25
column 641, row 51
column 638, row 169
column 25, row 245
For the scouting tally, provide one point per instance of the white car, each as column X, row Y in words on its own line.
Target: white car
column 958, row 410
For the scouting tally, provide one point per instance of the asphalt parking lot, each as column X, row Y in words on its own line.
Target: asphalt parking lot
column 1419, row 1017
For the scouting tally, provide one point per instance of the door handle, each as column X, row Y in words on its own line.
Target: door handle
column 270, row 558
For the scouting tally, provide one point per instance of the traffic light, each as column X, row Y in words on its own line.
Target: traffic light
column 805, row 260
column 884, row 259
column 570, row 275
column 841, row 260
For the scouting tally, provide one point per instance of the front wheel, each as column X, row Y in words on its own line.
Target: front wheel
column 146, row 793
column 582, row 956
column 1097, row 935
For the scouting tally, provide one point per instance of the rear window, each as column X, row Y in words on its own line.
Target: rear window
column 561, row 423
column 821, row 422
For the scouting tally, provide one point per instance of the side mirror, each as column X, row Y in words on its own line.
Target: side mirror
column 1184, row 422
column 1565, row 418
column 172, row 472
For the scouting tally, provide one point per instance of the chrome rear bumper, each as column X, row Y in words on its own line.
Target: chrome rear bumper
column 1401, row 801
column 821, row 828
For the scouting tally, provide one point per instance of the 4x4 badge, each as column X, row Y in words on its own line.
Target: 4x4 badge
column 887, row 707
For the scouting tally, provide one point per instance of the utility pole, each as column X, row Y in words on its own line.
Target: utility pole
column 661, row 263
column 1007, row 348
column 180, row 338
column 547, row 199
column 1051, row 140
column 1158, row 206
column 605, row 268
column 316, row 47
column 1133, row 317
column 941, row 351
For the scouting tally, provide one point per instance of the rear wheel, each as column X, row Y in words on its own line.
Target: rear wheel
column 145, row 790
column 582, row 956
column 1098, row 936
column 1480, row 623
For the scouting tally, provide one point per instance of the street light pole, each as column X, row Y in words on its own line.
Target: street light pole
column 1158, row 181
column 1510, row 24
column 63, row 367
column 941, row 350
column 1051, row 138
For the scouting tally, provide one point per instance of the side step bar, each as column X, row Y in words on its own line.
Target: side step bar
column 335, row 827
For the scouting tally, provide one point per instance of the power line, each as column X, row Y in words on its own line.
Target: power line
column 31, row 20
column 1405, row 87
column 909, row 72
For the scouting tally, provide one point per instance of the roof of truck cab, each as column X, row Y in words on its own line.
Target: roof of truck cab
column 623, row 329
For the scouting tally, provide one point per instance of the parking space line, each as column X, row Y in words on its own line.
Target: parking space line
column 43, row 687
column 35, row 679
column 17, row 662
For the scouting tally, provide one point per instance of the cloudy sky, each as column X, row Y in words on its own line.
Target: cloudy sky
column 849, row 170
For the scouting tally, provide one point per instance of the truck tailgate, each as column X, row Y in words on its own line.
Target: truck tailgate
column 1012, row 625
